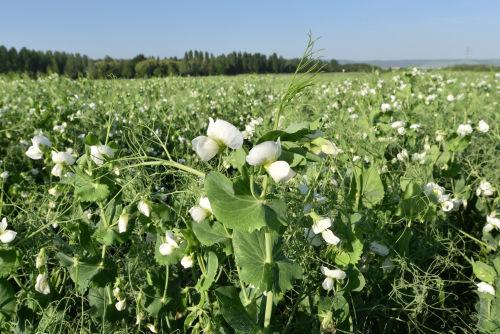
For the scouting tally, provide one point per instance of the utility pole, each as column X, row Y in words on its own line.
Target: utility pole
column 467, row 52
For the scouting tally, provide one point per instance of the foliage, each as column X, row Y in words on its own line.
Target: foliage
column 116, row 241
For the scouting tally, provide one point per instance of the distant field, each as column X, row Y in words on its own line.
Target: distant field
column 404, row 164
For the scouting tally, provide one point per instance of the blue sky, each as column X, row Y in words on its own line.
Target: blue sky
column 349, row 29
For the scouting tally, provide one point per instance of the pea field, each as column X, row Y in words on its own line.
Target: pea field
column 329, row 203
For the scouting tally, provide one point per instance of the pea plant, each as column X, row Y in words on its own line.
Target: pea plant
column 340, row 215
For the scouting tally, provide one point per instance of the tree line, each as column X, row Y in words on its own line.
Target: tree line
column 194, row 63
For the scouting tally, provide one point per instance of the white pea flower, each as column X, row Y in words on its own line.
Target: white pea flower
column 488, row 227
column 40, row 259
column 483, row 126
column 200, row 212
column 54, row 192
column 144, row 208
column 493, row 220
column 280, row 171
column 403, row 155
column 4, row 175
column 187, row 261
column 121, row 305
column 398, row 124
column 34, row 151
column 450, row 98
column 401, row 131
column 60, row 159
column 266, row 154
column 485, row 189
column 99, row 153
column 116, row 292
column 440, row 136
column 456, row 203
column 322, row 226
column 415, row 126
column 123, row 223
column 464, row 130
column 447, row 206
column 219, row 135
column 169, row 245
column 419, row 157
column 152, row 328
column 6, row 236
column 330, row 238
column 385, row 107
column 325, row 146
column 40, row 140
column 330, row 148
column 42, row 284
column 331, row 274
column 435, row 190
column 379, row 248
column 485, row 288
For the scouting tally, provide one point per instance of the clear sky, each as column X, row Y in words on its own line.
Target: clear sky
column 349, row 29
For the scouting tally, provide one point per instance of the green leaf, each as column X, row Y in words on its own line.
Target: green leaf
column 293, row 133
column 233, row 310
column 356, row 280
column 458, row 144
column 414, row 203
column 7, row 300
column 105, row 235
column 250, row 255
column 235, row 208
column 102, row 304
column 89, row 190
column 91, row 139
column 333, row 311
column 154, row 302
column 237, row 159
column 209, row 234
column 81, row 272
column 496, row 264
column 10, row 260
column 484, row 272
column 372, row 187
column 206, row 280
column 351, row 247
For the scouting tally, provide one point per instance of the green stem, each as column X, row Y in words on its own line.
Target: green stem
column 269, row 297
column 102, row 212
column 169, row 164
column 243, row 290
column 264, row 187
column 103, row 253
column 252, row 190
column 269, row 310
column 166, row 284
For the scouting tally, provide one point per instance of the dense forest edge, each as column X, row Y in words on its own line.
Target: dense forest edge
column 194, row 63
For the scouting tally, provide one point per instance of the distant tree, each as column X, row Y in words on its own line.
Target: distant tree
column 145, row 68
column 194, row 63
column 4, row 59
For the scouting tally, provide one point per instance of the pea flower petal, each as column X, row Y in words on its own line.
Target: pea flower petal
column 205, row 147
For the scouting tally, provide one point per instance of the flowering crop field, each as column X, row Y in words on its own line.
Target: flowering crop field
column 342, row 203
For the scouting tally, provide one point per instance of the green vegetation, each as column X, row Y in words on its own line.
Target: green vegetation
column 372, row 206
column 194, row 63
